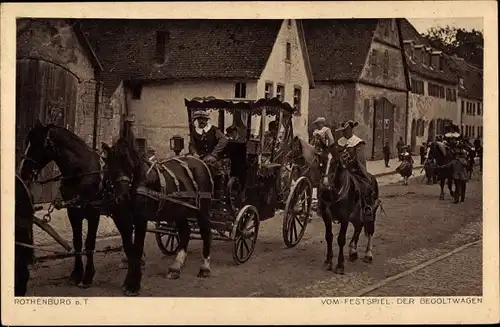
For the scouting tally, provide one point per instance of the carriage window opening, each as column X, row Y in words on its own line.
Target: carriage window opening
column 288, row 51
column 240, row 90
column 386, row 63
column 136, row 91
column 161, row 43
column 297, row 98
column 462, row 106
column 268, row 93
column 280, row 92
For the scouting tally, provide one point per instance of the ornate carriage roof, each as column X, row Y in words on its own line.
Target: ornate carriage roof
column 273, row 105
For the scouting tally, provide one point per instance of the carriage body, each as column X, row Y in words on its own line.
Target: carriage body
column 256, row 177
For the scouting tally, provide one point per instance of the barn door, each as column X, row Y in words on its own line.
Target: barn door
column 383, row 127
column 47, row 92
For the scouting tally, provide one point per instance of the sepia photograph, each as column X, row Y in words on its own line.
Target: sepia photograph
column 330, row 158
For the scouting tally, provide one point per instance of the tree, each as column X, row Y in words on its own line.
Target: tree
column 458, row 41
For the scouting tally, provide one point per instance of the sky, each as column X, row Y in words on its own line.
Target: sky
column 422, row 24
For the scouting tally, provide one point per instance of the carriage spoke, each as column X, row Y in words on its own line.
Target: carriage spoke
column 294, row 225
column 246, row 245
column 240, row 249
column 298, row 219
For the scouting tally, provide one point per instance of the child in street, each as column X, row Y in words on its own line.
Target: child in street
column 405, row 169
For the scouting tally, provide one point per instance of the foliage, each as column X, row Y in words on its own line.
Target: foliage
column 458, row 41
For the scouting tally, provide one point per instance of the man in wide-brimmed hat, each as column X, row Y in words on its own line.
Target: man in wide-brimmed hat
column 207, row 142
column 354, row 160
column 322, row 138
column 322, row 135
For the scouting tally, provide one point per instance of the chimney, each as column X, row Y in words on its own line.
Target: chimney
column 408, row 47
column 436, row 60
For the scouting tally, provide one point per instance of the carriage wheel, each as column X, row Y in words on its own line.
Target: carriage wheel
column 297, row 212
column 245, row 233
column 168, row 244
column 233, row 195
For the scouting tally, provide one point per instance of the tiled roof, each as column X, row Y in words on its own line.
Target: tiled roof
column 338, row 47
column 415, row 64
column 473, row 78
column 197, row 49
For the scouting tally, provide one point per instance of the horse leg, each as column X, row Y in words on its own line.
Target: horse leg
column 184, row 231
column 353, row 245
column 76, row 221
column 92, row 226
column 206, row 235
column 450, row 186
column 339, row 269
column 125, row 226
column 441, row 184
column 369, row 227
column 134, row 286
column 328, row 237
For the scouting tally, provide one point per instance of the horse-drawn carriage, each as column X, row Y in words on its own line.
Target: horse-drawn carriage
column 257, row 181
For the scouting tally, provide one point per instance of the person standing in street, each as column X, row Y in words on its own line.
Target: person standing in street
column 387, row 153
column 478, row 147
column 399, row 147
column 423, row 150
column 405, row 169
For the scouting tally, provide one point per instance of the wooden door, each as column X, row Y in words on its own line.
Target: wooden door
column 383, row 129
column 47, row 92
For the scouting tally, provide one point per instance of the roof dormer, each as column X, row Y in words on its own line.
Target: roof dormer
column 409, row 48
column 437, row 60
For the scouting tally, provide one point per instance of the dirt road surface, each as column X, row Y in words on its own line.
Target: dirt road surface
column 418, row 227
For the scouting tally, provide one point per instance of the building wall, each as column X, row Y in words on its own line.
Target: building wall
column 53, row 40
column 335, row 102
column 385, row 41
column 472, row 120
column 430, row 108
column 291, row 73
column 363, row 114
column 160, row 113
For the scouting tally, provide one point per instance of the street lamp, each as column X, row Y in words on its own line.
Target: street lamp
column 177, row 144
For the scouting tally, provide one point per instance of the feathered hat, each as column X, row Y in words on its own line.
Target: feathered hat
column 349, row 123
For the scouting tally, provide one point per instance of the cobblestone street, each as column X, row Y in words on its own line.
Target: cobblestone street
column 410, row 234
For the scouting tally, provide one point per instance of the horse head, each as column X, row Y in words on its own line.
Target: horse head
column 39, row 151
column 124, row 164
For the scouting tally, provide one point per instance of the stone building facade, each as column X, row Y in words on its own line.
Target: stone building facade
column 151, row 66
column 470, row 97
column 56, row 82
column 359, row 74
column 434, row 89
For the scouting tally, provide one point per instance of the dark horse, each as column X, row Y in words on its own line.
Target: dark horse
column 80, row 179
column 142, row 188
column 23, row 254
column 339, row 199
column 442, row 155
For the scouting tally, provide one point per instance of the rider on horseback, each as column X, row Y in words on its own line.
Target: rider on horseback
column 352, row 158
column 322, row 138
column 208, row 142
